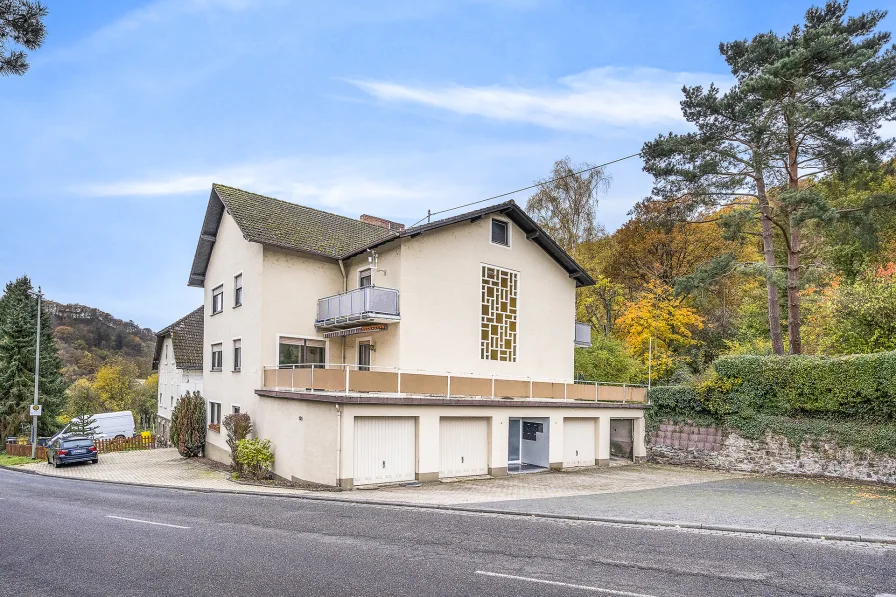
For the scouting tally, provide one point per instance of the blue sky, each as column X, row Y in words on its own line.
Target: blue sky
column 132, row 109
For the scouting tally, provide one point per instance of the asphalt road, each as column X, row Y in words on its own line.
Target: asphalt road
column 66, row 537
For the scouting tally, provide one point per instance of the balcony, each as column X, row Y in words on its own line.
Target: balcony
column 351, row 380
column 362, row 306
column 583, row 335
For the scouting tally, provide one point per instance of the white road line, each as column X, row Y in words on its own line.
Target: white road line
column 563, row 584
column 161, row 524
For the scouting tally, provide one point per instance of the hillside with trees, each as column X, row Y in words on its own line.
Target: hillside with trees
column 771, row 228
column 87, row 338
column 90, row 362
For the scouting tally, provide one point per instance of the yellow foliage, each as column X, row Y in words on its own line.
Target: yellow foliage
column 659, row 314
column 114, row 385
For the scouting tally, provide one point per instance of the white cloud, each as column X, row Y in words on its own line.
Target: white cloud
column 342, row 184
column 608, row 96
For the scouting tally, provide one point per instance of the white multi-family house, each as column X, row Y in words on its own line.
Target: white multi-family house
column 178, row 360
column 370, row 353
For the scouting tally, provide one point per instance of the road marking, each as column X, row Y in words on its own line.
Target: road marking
column 563, row 584
column 161, row 524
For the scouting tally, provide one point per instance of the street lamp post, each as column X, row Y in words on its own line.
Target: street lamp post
column 39, row 295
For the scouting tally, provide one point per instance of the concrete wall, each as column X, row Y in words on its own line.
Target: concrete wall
column 441, row 304
column 232, row 255
column 303, row 436
column 428, row 417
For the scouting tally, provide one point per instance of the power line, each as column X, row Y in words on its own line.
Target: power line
column 536, row 185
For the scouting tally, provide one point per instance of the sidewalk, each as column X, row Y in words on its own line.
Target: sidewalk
column 637, row 492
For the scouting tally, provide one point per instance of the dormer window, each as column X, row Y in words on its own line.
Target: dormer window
column 500, row 232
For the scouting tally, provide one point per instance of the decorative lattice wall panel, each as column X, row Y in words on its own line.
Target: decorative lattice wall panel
column 499, row 314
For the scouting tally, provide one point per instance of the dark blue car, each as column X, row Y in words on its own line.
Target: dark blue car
column 67, row 449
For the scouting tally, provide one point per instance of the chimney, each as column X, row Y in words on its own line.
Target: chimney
column 387, row 224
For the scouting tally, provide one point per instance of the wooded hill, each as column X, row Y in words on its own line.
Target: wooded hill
column 87, row 337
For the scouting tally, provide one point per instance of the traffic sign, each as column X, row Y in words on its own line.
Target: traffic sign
column 35, row 410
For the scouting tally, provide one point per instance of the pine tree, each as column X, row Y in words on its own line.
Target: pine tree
column 18, row 320
column 805, row 104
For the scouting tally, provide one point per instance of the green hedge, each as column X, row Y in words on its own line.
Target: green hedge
column 856, row 386
column 851, row 399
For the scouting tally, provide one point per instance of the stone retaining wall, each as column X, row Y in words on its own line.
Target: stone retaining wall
column 713, row 447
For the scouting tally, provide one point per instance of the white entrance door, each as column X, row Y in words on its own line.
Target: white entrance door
column 385, row 450
column 463, row 446
column 578, row 442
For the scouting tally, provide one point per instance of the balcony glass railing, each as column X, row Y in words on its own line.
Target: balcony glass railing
column 583, row 334
column 370, row 304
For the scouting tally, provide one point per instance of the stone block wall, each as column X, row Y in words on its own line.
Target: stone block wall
column 723, row 449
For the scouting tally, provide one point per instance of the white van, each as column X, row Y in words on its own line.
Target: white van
column 114, row 425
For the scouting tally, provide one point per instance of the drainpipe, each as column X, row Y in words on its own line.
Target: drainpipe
column 344, row 289
column 338, row 443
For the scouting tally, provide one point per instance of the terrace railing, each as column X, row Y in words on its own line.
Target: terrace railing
column 387, row 380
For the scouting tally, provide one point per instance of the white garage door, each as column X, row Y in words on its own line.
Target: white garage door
column 463, row 447
column 385, row 450
column 578, row 442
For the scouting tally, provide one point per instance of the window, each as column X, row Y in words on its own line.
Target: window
column 160, row 399
column 166, row 352
column 300, row 351
column 172, row 402
column 217, row 357
column 237, row 355
column 214, row 413
column 500, row 233
column 237, row 290
column 236, row 408
column 217, row 300
column 365, row 278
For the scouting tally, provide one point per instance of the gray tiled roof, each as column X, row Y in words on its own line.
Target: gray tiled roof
column 186, row 337
column 280, row 223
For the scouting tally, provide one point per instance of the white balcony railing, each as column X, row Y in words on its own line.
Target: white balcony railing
column 370, row 304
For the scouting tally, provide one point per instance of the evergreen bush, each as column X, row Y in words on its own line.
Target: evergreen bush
column 188, row 425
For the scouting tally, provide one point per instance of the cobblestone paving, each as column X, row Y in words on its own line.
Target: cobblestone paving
column 151, row 467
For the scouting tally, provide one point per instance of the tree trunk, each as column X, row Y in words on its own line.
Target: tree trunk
column 768, row 250
column 793, row 252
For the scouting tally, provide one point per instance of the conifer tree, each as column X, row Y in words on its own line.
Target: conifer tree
column 804, row 104
column 18, row 320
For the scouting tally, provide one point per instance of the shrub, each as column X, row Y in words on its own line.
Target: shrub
column 238, row 426
column 188, row 425
column 255, row 457
column 607, row 359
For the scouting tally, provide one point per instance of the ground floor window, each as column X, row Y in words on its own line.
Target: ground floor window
column 302, row 351
column 214, row 413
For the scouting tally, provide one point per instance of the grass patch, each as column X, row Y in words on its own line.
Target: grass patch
column 7, row 460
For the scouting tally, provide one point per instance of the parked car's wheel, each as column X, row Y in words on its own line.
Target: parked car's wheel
column 94, row 461
column 118, row 437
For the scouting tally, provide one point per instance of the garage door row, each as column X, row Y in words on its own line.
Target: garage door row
column 385, row 448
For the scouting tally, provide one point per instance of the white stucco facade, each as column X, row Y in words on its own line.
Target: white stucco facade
column 439, row 276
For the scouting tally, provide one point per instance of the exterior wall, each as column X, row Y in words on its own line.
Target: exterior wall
column 303, row 436
column 441, row 304
column 170, row 378
column 428, row 417
column 232, row 255
column 173, row 381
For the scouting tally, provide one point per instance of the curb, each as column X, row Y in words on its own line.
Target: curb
column 538, row 515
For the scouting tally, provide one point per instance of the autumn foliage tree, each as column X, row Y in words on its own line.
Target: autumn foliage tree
column 664, row 317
